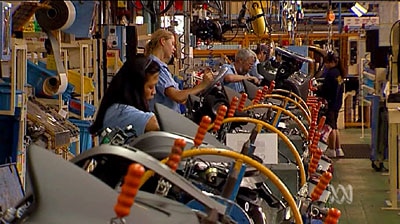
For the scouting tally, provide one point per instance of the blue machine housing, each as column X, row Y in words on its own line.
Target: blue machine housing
column 84, row 18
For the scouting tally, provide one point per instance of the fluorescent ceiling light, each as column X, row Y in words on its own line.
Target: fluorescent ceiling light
column 139, row 20
column 358, row 9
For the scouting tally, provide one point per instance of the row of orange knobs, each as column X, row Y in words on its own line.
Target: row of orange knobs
column 314, row 135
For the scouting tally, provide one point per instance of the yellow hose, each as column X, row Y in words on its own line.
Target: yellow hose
column 285, row 139
column 237, row 156
column 285, row 99
column 291, row 94
column 283, row 110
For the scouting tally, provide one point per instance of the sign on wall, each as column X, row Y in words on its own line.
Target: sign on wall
column 358, row 22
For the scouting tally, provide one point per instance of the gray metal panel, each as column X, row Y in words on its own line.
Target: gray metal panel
column 288, row 173
column 284, row 149
column 151, row 163
column 159, row 143
column 250, row 88
column 171, row 121
column 64, row 193
column 232, row 93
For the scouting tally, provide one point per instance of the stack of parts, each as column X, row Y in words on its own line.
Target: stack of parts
column 49, row 129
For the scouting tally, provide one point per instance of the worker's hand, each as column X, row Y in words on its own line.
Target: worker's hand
column 208, row 77
column 253, row 79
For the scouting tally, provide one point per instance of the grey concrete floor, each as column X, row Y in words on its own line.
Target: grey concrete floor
column 370, row 189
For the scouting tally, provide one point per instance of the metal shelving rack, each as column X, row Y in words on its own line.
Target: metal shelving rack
column 365, row 78
column 18, row 72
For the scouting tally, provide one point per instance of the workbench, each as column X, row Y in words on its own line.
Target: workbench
column 394, row 155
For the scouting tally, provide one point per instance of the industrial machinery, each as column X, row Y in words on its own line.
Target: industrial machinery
column 238, row 186
column 44, row 203
column 210, row 29
column 110, row 169
column 286, row 72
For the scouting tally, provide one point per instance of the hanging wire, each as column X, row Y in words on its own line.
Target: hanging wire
column 330, row 18
column 150, row 6
column 185, row 55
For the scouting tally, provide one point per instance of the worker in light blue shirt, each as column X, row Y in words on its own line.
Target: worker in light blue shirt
column 165, row 81
column 161, row 48
column 238, row 71
column 263, row 53
column 121, row 116
column 126, row 100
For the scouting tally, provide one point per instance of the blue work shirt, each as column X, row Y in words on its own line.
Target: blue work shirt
column 237, row 86
column 121, row 116
column 165, row 80
column 254, row 72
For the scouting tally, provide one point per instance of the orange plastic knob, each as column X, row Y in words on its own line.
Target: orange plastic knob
column 173, row 161
column 262, row 94
column 220, row 116
column 317, row 137
column 312, row 148
column 321, row 123
column 175, row 155
column 257, row 99
column 311, row 134
column 243, row 99
column 233, row 106
column 316, row 156
column 310, row 104
column 180, row 143
column 202, row 130
column 271, row 87
column 265, row 90
column 333, row 216
column 129, row 190
column 321, row 186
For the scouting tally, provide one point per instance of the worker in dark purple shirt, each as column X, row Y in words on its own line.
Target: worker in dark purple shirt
column 332, row 91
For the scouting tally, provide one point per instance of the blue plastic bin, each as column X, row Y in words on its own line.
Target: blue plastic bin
column 5, row 96
column 9, row 130
column 86, row 141
column 75, row 107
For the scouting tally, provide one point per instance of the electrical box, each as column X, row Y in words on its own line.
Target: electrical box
column 356, row 50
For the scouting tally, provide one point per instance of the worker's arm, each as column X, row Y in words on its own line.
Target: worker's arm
column 180, row 96
column 239, row 78
column 152, row 124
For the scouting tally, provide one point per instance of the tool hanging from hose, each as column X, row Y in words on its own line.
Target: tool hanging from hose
column 330, row 18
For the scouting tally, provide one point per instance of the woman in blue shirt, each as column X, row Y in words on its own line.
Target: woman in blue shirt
column 161, row 48
column 126, row 101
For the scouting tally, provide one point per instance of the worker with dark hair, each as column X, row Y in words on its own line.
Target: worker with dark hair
column 332, row 91
column 126, row 101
